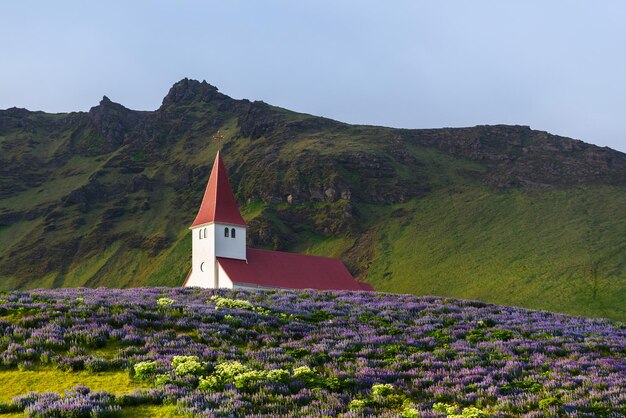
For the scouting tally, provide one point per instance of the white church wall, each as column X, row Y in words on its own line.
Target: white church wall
column 203, row 257
column 230, row 247
column 196, row 280
column 224, row 281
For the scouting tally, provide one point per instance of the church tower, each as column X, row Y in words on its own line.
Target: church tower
column 218, row 230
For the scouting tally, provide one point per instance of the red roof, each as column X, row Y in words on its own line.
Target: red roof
column 218, row 203
column 292, row 271
column 366, row 286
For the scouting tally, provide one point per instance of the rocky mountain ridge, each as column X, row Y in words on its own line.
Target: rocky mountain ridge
column 516, row 155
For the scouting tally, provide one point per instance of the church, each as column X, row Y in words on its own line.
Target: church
column 221, row 259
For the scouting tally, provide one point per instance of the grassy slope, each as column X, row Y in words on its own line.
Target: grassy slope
column 16, row 382
column 559, row 250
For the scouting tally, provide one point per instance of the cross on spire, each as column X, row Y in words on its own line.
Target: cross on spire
column 219, row 138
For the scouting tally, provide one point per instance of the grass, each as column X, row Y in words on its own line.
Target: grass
column 253, row 209
column 26, row 228
column 314, row 244
column 15, row 382
column 109, row 351
column 150, row 411
column 441, row 170
column 58, row 184
column 172, row 265
column 556, row 250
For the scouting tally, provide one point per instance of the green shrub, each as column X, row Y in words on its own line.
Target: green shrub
column 250, row 379
column 471, row 412
column 162, row 379
column 446, row 408
column 409, row 412
column 502, row 335
column 319, row 316
column 335, row 384
column 246, row 378
column 598, row 409
column 278, row 375
column 211, row 383
column 165, row 302
column 385, row 395
column 383, row 389
column 46, row 357
column 440, row 336
column 221, row 302
column 454, row 411
column 304, row 373
column 525, row 385
column 187, row 365
column 475, row 335
column 144, row 369
column 549, row 402
column 297, row 353
column 228, row 370
column 357, row 404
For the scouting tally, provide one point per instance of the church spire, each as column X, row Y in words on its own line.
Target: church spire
column 218, row 203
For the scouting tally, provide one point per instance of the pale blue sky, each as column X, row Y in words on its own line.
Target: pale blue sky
column 558, row 66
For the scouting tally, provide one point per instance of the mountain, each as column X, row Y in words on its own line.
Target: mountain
column 504, row 214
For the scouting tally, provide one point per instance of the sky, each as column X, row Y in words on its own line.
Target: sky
column 557, row 66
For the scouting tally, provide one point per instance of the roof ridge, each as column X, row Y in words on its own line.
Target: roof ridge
column 266, row 268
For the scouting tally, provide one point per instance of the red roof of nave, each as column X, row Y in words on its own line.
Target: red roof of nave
column 291, row 271
column 218, row 203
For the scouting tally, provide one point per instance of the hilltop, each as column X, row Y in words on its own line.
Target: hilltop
column 504, row 214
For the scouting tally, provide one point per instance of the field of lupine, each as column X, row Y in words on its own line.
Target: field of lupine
column 192, row 352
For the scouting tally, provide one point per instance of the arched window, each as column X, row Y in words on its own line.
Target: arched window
column 226, row 232
column 204, row 232
column 200, row 233
column 232, row 233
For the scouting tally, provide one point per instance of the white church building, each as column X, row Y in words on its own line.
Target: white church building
column 221, row 259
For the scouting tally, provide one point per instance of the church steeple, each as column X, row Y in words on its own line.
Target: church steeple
column 218, row 231
column 218, row 203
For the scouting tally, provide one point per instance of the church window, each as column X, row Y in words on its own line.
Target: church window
column 200, row 234
column 204, row 232
column 202, row 267
column 226, row 232
column 232, row 233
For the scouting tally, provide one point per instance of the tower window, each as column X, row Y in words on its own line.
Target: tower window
column 232, row 233
column 204, row 232
column 200, row 234
column 226, row 232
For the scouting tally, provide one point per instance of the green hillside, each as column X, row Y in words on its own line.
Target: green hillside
column 557, row 250
column 504, row 214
